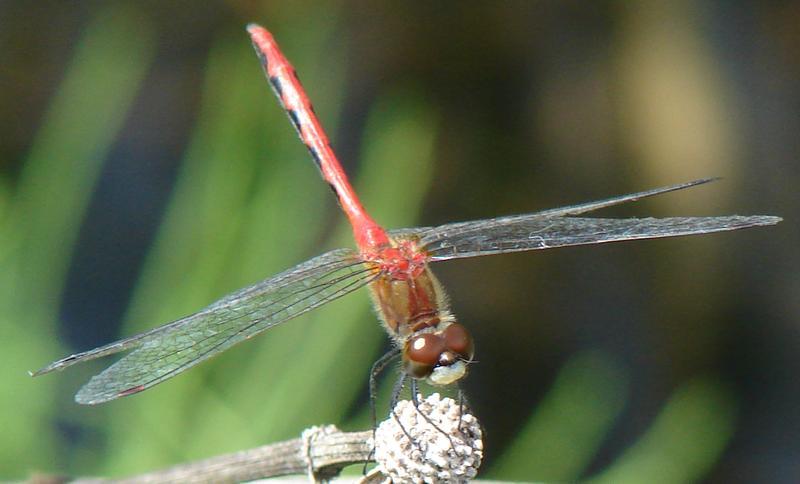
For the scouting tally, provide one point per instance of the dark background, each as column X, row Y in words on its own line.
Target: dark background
column 145, row 170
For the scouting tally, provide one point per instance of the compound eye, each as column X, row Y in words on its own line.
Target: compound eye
column 422, row 354
column 458, row 340
column 425, row 348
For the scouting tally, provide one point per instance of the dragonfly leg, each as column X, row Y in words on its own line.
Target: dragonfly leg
column 463, row 405
column 376, row 370
column 398, row 388
column 415, row 401
column 462, row 402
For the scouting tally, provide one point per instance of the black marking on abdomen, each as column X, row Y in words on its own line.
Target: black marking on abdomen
column 315, row 156
column 261, row 56
column 295, row 121
column 275, row 81
column 335, row 192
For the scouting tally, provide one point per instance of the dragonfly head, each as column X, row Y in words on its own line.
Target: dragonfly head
column 440, row 357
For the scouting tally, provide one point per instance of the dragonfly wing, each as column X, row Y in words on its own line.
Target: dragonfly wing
column 536, row 231
column 422, row 232
column 630, row 197
column 164, row 352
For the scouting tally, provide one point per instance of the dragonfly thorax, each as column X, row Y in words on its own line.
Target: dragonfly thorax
column 415, row 312
column 402, row 259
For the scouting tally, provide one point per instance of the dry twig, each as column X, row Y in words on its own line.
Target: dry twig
column 321, row 452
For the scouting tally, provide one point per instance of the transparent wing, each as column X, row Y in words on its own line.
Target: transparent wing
column 554, row 228
column 164, row 352
column 534, row 232
column 421, row 232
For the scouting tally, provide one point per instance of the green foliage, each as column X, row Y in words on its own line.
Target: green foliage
column 566, row 429
column 44, row 214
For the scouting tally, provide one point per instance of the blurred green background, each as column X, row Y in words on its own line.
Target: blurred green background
column 146, row 169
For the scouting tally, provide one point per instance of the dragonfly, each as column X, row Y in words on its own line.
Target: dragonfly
column 394, row 265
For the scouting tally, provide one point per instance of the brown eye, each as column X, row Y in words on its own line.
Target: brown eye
column 458, row 340
column 421, row 354
column 425, row 348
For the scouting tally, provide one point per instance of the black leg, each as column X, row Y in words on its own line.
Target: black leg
column 398, row 388
column 415, row 393
column 376, row 369
column 415, row 400
column 462, row 402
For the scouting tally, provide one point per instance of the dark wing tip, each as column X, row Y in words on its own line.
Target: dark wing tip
column 54, row 366
column 679, row 186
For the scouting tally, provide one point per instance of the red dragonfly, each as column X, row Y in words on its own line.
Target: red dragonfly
column 393, row 264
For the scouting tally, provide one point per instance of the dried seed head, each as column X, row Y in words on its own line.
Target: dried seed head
column 450, row 454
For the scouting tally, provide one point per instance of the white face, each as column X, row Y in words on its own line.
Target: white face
column 445, row 375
